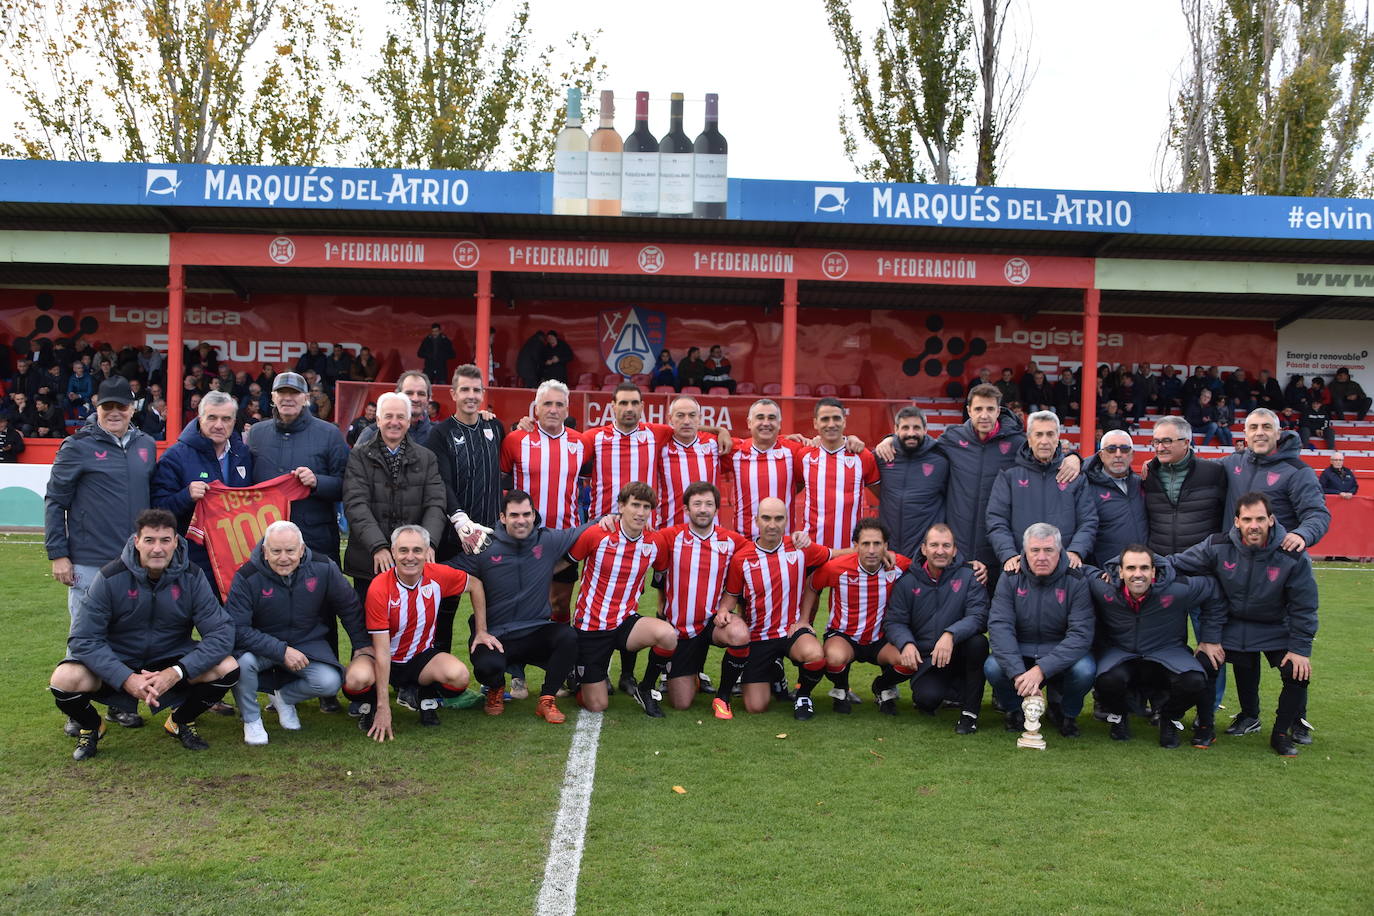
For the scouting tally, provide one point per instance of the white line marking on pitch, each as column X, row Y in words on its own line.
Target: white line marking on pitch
column 558, row 895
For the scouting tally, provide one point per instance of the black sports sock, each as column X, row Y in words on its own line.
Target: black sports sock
column 838, row 676
column 731, row 670
column 809, row 675
column 77, row 706
column 202, row 696
column 628, row 661
column 658, row 660
column 890, row 678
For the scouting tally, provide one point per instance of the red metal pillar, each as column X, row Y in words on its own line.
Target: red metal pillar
column 789, row 347
column 482, row 332
column 176, row 312
column 1087, row 394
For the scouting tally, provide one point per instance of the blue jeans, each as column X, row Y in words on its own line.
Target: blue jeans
column 1073, row 684
column 316, row 679
column 1221, row 433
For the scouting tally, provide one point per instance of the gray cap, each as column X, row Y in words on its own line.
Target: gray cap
column 290, row 380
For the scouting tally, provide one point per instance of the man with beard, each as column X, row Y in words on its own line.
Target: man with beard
column 911, row 487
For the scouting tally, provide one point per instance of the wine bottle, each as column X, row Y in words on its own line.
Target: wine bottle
column 603, row 162
column 709, row 187
column 570, row 161
column 675, row 165
column 639, row 165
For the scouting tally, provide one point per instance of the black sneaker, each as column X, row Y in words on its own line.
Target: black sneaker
column 330, row 704
column 887, row 699
column 704, row 682
column 628, row 685
column 1121, row 727
column 648, row 698
column 1283, row 745
column 783, row 691
column 1099, row 711
column 1068, row 727
column 123, row 717
column 839, row 702
column 1169, row 730
column 1301, row 732
column 1243, row 725
column 365, row 716
column 429, row 715
column 1203, row 736
column 88, row 742
column 186, row 733
column 72, row 729
column 409, row 697
column 803, row 709
column 1014, row 720
column 355, row 708
column 967, row 724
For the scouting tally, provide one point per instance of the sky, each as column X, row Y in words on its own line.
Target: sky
column 1092, row 118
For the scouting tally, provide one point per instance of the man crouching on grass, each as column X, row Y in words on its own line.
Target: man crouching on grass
column 402, row 608
column 134, row 636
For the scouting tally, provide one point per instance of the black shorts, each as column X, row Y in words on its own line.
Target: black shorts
column 567, row 576
column 863, row 652
column 114, row 695
column 690, row 657
column 764, row 653
column 594, row 649
column 407, row 674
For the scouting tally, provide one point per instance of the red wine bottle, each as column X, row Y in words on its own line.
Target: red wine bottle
column 639, row 165
column 675, row 165
column 710, row 191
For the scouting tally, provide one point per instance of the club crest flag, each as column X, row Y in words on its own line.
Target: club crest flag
column 630, row 339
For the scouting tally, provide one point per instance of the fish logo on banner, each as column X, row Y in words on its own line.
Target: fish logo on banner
column 631, row 339
column 161, row 182
column 830, row 199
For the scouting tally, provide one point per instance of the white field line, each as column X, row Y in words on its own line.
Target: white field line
column 558, row 895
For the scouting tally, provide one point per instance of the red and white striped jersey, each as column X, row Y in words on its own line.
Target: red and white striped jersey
column 696, row 568
column 408, row 612
column 619, row 458
column 833, row 488
column 769, row 584
column 612, row 576
column 858, row 598
column 680, row 465
column 756, row 475
column 546, row 467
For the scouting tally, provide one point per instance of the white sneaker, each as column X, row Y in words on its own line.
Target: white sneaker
column 518, row 690
column 286, row 713
column 254, row 733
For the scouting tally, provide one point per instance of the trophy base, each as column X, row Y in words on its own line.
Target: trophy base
column 1031, row 740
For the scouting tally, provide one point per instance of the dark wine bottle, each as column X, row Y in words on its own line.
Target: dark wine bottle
column 639, row 165
column 675, row 165
column 710, row 192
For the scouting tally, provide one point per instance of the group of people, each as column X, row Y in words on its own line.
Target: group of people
column 692, row 371
column 997, row 556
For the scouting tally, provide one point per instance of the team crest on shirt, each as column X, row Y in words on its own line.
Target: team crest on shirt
column 176, row 592
column 956, row 585
column 646, row 550
column 143, row 455
column 1059, row 595
column 1005, row 447
column 1272, row 572
column 311, row 583
column 538, row 551
column 926, row 468
column 721, row 546
column 1062, row 486
column 489, row 434
column 1272, row 478
column 1166, row 600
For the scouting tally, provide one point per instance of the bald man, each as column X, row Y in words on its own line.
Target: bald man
column 1119, row 495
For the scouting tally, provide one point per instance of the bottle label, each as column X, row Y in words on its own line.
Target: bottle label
column 675, row 182
column 569, row 175
column 603, row 176
column 710, row 184
column 639, row 182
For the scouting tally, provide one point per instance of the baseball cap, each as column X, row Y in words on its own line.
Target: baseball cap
column 115, row 389
column 290, row 380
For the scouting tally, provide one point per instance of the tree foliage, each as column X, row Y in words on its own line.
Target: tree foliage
column 452, row 93
column 930, row 70
column 1275, row 100
column 179, row 80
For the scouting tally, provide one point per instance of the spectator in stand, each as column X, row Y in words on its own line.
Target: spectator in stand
column 1202, row 416
column 226, row 380
column 356, row 428
column 154, row 419
column 79, row 387
column 1295, row 394
column 984, row 377
column 558, row 357
column 140, row 397
column 320, row 405
column 104, row 371
column 27, row 378
column 718, row 371
column 436, row 350
column 266, row 377
column 49, row 421
column 691, row 371
column 11, row 441
column 204, row 356
column 255, row 396
column 1169, row 391
column 364, row 367
column 1066, row 396
column 1192, row 389
column 1265, row 391
column 56, row 383
column 1339, row 480
column 1226, row 414
column 1238, row 392
column 1130, row 399
column 192, row 408
column 665, row 373
column 23, row 413
column 1007, row 385
column 241, row 385
column 1291, row 417
column 532, row 361
column 150, row 364
column 1214, row 382
column 1347, row 397
column 1110, row 418
column 1316, row 421
column 1145, row 388
column 247, row 417
column 312, row 360
column 1038, row 395
column 1318, row 391
column 338, row 368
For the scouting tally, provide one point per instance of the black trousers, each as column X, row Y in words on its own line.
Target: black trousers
column 1292, row 698
column 1175, row 693
column 930, row 685
column 552, row 647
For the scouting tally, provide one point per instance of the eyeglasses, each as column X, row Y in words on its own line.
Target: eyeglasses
column 1164, row 443
column 1117, row 448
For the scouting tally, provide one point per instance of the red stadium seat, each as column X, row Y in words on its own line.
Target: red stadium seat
column 826, row 391
column 718, row 389
column 803, row 391
column 746, row 388
column 641, row 380
column 690, row 389
column 587, row 379
column 613, row 378
column 610, row 386
column 853, row 391
column 772, row 388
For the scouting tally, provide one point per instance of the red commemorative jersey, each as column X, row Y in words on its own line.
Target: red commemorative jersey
column 612, row 576
column 833, row 488
column 546, row 467
column 230, row 521
column 408, row 612
column 769, row 584
column 756, row 475
column 619, row 458
column 858, row 598
column 696, row 568
column 680, row 465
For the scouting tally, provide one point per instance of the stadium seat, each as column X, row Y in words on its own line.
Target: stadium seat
column 613, row 378
column 610, row 386
column 587, row 379
column 641, row 380
column 690, row 389
column 803, row 390
column 827, row 391
column 772, row 388
column 746, row 388
column 718, row 389
column 853, row 391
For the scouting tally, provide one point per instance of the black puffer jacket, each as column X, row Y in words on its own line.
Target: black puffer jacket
column 1289, row 483
column 375, row 506
column 1196, row 517
column 1047, row 619
column 973, row 466
column 921, row 609
column 1158, row 629
column 911, row 493
column 1121, row 518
